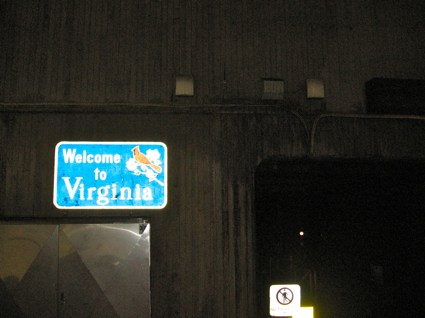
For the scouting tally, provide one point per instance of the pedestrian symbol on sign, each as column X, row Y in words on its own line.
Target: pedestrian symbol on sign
column 284, row 296
column 285, row 300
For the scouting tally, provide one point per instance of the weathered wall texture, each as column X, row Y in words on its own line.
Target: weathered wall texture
column 204, row 237
column 362, row 136
column 130, row 51
column 87, row 70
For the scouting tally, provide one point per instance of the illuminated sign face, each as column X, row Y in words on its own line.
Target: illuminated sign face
column 285, row 300
column 110, row 175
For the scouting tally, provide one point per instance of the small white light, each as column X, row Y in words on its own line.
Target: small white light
column 315, row 88
column 301, row 233
column 184, row 85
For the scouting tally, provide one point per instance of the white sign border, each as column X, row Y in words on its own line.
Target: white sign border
column 282, row 310
column 129, row 207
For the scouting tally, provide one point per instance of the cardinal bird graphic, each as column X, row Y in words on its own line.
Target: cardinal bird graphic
column 148, row 164
column 142, row 159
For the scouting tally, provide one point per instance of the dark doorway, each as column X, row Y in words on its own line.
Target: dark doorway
column 350, row 232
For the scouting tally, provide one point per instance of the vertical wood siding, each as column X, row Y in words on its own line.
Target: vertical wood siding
column 352, row 136
column 130, row 51
column 202, row 242
column 77, row 52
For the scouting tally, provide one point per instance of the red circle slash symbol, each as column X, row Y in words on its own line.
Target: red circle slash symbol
column 284, row 296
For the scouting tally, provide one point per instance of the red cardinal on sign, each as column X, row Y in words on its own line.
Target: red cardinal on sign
column 142, row 159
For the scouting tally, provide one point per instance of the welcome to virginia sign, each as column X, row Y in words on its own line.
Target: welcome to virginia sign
column 110, row 175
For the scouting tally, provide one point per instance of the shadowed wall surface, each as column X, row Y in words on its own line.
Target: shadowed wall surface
column 105, row 71
column 130, row 51
column 204, row 237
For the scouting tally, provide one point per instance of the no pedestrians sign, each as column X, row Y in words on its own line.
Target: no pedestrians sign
column 285, row 300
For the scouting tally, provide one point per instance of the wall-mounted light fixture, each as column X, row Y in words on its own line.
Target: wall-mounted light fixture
column 315, row 88
column 273, row 89
column 184, row 85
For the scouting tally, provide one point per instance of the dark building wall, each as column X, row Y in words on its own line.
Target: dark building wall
column 61, row 59
column 368, row 136
column 131, row 51
column 199, row 141
column 202, row 242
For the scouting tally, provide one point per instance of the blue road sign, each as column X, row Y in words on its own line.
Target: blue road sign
column 110, row 175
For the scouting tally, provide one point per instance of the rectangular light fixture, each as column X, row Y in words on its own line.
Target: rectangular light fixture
column 273, row 89
column 184, row 85
column 315, row 88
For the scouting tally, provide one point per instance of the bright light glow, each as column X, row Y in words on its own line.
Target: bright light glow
column 304, row 312
column 301, row 233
